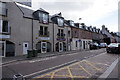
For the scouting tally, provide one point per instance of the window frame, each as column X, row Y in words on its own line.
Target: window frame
column 43, row 31
column 3, row 7
column 76, row 35
column 43, row 16
column 1, row 28
column 59, row 22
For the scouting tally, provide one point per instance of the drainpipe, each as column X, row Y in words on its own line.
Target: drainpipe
column 53, row 37
column 32, row 34
column 67, row 38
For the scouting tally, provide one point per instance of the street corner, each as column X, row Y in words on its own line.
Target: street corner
column 82, row 69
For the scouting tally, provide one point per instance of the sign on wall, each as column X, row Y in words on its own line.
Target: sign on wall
column 4, row 36
column 43, row 38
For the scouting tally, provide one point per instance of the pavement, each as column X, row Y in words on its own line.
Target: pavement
column 6, row 60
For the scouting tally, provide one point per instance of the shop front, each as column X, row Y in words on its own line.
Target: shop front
column 43, row 45
column 7, row 48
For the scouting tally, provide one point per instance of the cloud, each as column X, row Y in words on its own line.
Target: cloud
column 90, row 11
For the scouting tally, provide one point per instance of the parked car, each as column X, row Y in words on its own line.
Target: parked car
column 113, row 48
column 94, row 46
column 103, row 45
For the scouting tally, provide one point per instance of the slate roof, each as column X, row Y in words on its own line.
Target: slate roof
column 42, row 10
column 27, row 11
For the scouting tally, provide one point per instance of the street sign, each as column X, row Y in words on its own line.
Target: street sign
column 79, row 40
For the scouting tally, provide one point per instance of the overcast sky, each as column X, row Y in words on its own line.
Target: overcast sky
column 92, row 12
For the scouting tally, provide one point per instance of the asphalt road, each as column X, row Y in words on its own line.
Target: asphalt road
column 29, row 67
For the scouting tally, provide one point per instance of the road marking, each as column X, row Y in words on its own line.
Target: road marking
column 52, row 75
column 80, row 77
column 70, row 73
column 49, row 69
column 110, row 69
column 93, row 66
column 84, row 69
column 62, row 75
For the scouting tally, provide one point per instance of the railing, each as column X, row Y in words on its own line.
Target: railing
column 62, row 36
column 45, row 34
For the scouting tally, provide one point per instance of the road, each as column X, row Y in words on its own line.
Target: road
column 36, row 67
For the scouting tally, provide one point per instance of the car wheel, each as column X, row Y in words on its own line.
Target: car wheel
column 108, row 52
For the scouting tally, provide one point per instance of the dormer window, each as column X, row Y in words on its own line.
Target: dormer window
column 94, row 30
column 90, row 29
column 80, row 26
column 43, row 17
column 86, row 28
column 60, row 22
column 71, row 23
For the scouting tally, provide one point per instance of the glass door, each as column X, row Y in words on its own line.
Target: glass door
column 43, row 47
column 2, row 48
column 60, row 46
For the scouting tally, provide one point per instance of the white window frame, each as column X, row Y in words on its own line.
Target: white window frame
column 1, row 21
column 59, row 21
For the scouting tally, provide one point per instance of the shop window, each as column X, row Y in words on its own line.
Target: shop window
column 76, row 43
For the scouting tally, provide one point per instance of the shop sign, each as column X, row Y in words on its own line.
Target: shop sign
column 4, row 36
column 60, row 39
column 44, row 38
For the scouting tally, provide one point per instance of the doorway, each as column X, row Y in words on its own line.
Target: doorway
column 60, row 46
column 83, row 44
column 43, row 47
column 2, row 48
column 25, row 47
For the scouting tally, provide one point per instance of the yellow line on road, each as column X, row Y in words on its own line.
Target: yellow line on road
column 52, row 75
column 70, row 73
column 80, row 77
column 44, row 75
column 84, row 69
column 75, row 68
column 62, row 75
column 93, row 66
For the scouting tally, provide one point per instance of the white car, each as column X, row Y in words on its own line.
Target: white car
column 103, row 45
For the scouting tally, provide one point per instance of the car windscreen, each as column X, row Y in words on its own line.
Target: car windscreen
column 113, row 45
